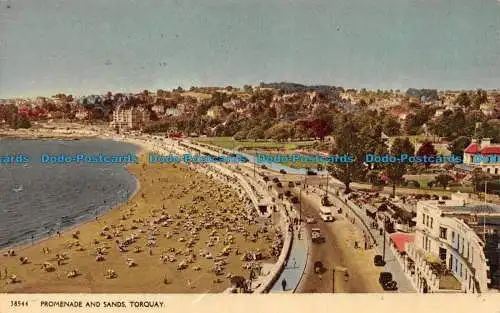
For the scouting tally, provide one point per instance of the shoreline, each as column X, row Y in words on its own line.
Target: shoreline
column 142, row 150
column 135, row 202
column 24, row 245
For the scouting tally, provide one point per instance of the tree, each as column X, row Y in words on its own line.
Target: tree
column 458, row 145
column 395, row 171
column 242, row 134
column 444, row 180
column 463, row 100
column 255, row 133
column 320, row 128
column 348, row 142
column 479, row 97
column 478, row 178
column 427, row 149
column 391, row 126
column 281, row 131
column 20, row 121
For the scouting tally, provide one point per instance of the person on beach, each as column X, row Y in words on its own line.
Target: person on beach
column 283, row 284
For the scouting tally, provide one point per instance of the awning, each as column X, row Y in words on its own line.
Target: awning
column 400, row 240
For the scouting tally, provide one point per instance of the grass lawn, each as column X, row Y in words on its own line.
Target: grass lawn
column 230, row 143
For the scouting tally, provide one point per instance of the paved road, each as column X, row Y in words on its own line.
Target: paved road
column 334, row 256
column 392, row 265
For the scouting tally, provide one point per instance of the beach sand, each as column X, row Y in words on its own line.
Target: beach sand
column 178, row 190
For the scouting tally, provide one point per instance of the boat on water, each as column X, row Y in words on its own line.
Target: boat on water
column 18, row 189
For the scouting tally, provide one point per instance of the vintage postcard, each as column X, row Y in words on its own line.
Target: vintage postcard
column 347, row 151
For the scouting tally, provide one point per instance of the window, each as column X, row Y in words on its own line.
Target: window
column 442, row 254
column 461, row 273
column 456, row 265
column 442, row 233
column 452, row 236
column 432, row 220
column 466, row 276
column 471, row 254
column 462, row 247
column 451, row 263
column 468, row 250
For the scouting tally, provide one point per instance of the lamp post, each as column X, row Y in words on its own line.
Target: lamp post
column 383, row 230
column 333, row 280
column 300, row 204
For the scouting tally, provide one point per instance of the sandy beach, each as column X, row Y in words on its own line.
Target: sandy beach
column 182, row 232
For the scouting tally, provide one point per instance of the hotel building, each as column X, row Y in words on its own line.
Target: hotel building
column 129, row 118
column 456, row 247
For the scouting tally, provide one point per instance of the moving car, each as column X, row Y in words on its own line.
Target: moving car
column 316, row 235
column 326, row 214
column 318, row 267
column 310, row 220
column 325, row 201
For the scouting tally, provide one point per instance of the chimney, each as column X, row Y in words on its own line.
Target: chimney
column 485, row 142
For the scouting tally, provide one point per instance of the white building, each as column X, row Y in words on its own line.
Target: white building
column 484, row 155
column 456, row 247
column 129, row 118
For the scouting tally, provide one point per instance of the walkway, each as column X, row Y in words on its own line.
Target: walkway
column 392, row 265
column 294, row 267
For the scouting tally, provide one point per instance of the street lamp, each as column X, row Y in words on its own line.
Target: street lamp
column 333, row 280
column 383, row 230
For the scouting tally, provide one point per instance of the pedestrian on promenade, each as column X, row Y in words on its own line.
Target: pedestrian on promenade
column 294, row 263
column 283, row 284
column 298, row 235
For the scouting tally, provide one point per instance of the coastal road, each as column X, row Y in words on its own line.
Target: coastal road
column 334, row 255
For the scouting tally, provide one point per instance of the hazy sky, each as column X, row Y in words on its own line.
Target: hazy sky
column 90, row 46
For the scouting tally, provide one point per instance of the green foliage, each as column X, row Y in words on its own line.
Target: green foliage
column 458, row 145
column 20, row 121
column 349, row 142
column 395, row 171
column 444, row 180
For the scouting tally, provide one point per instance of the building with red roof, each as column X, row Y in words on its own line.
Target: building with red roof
column 483, row 155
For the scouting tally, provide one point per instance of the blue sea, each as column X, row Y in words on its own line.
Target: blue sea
column 38, row 200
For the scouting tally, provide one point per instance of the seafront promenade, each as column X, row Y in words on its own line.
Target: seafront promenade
column 294, row 254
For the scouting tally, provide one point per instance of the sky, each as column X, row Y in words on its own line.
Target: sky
column 94, row 46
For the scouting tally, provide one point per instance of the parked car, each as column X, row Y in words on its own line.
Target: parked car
column 378, row 260
column 291, row 184
column 385, row 277
column 385, row 280
column 263, row 167
column 282, row 171
column 311, row 172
